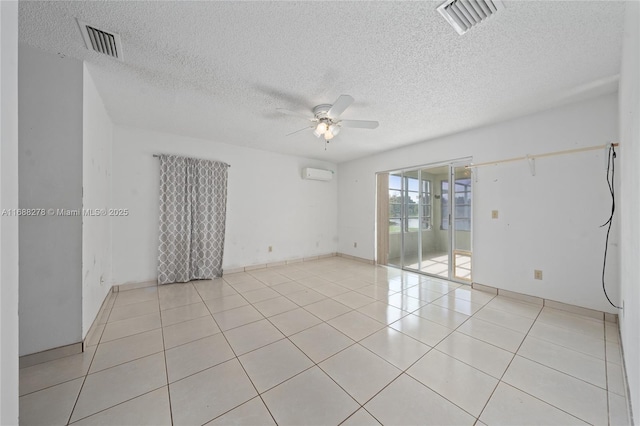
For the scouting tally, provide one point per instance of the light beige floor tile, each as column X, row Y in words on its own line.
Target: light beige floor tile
column 573, row 363
column 376, row 292
column 193, row 357
column 127, row 349
column 275, row 306
column 273, row 279
column 112, row 386
column 237, row 317
column 41, row 376
column 461, row 306
column 309, row 398
column 568, row 339
column 438, row 286
column 94, row 335
column 184, row 313
column 213, row 289
column 581, row 399
column 136, row 296
column 327, row 309
column 252, row 336
column 471, row 295
column 506, row 304
column 382, row 312
column 188, row 331
column 175, row 295
column 210, row 393
column 134, row 310
column 408, row 402
column 615, row 379
column 426, row 331
column 352, row 283
column 443, row 316
column 353, row 299
column 150, row 409
column 294, row 321
column 248, row 285
column 238, row 277
column 305, row 297
column 330, row 290
column 51, row 406
column 395, row 347
column 261, row 294
column 576, row 323
column 360, row 418
column 406, row 303
column 251, row 413
column 618, row 410
column 321, row 341
column 131, row 326
column 356, row 325
column 360, row 372
column 611, row 332
column 509, row 406
column 289, row 287
column 225, row 303
column 489, row 332
column 481, row 355
column 422, row 294
column 614, row 354
column 505, row 319
column 460, row 383
column 274, row 363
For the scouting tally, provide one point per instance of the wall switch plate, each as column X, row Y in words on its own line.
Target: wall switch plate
column 494, row 214
column 355, row 245
column 270, row 249
column 537, row 274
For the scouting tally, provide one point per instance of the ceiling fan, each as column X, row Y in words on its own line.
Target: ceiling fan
column 326, row 121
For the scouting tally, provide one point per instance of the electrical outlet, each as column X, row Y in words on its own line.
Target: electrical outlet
column 537, row 274
column 494, row 214
column 270, row 249
column 355, row 245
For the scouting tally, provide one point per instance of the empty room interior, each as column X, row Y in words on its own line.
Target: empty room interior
column 327, row 213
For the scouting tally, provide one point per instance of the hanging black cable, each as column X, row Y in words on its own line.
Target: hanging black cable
column 611, row 171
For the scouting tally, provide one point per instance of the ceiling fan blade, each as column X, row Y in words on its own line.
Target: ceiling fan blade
column 360, row 124
column 304, row 128
column 294, row 113
column 340, row 105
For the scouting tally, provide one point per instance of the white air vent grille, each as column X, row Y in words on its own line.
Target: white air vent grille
column 464, row 14
column 101, row 41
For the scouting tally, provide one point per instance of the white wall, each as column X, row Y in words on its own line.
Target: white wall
column 549, row 222
column 630, row 201
column 97, row 137
column 50, row 176
column 9, row 224
column 268, row 204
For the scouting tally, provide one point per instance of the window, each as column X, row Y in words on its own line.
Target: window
column 416, row 194
column 462, row 213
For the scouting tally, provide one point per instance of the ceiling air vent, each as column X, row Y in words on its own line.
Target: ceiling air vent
column 101, row 41
column 464, row 14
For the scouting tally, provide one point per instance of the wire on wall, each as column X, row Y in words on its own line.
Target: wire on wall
column 611, row 171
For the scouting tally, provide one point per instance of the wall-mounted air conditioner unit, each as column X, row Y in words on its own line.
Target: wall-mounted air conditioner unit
column 316, row 174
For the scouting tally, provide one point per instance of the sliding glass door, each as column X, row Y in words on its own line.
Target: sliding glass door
column 424, row 220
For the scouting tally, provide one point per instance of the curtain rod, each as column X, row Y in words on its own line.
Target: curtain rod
column 158, row 156
column 548, row 154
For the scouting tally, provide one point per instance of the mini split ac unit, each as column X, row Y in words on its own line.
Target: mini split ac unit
column 316, row 174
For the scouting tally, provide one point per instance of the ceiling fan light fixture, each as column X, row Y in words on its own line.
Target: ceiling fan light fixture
column 334, row 129
column 321, row 128
column 328, row 135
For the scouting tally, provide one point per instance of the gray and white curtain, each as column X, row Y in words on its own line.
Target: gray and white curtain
column 193, row 209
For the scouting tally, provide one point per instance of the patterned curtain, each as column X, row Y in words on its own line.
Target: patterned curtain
column 193, row 209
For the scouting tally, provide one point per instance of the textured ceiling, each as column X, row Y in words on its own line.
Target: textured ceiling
column 218, row 70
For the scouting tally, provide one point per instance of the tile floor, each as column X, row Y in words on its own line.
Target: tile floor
column 330, row 342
